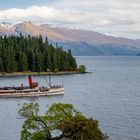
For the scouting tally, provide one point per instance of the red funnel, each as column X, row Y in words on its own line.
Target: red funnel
column 30, row 81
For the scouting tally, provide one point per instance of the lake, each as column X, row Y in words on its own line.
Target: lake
column 110, row 94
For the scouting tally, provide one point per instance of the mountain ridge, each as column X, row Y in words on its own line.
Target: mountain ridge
column 81, row 42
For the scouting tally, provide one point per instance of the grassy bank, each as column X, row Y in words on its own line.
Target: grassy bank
column 4, row 74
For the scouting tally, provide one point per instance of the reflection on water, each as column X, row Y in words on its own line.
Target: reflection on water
column 110, row 94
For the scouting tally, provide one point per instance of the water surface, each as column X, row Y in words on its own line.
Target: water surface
column 111, row 94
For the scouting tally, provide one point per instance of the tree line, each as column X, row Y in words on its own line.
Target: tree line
column 26, row 53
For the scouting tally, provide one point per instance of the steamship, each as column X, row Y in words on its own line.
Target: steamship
column 33, row 90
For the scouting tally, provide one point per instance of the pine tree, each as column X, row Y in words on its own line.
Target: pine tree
column 22, row 62
column 23, row 53
column 1, row 65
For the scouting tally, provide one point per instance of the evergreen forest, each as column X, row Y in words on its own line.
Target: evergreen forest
column 26, row 53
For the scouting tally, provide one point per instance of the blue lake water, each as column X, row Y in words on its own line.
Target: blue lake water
column 110, row 94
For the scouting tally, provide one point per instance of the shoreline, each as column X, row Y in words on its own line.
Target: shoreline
column 4, row 74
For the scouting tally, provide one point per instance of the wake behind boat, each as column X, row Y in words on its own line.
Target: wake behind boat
column 33, row 90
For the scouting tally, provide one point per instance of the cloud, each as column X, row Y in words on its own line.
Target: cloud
column 43, row 13
column 103, row 15
column 33, row 11
column 71, row 16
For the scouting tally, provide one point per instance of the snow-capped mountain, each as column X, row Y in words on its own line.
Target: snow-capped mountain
column 7, row 24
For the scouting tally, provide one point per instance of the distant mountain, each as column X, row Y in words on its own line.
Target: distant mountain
column 5, row 28
column 81, row 42
column 138, row 54
column 138, row 40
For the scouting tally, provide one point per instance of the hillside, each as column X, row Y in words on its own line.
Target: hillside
column 81, row 42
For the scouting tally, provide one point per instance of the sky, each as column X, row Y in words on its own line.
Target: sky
column 119, row 18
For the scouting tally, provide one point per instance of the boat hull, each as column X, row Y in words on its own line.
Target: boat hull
column 35, row 93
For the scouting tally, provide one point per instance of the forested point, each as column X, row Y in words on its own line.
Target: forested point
column 21, row 53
